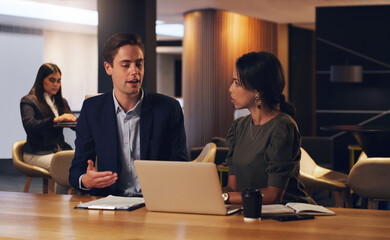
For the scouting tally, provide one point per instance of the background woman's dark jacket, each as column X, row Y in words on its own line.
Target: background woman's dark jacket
column 42, row 136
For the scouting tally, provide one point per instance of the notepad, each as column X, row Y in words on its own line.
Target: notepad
column 293, row 208
column 114, row 203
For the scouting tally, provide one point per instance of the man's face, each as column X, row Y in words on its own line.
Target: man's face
column 127, row 70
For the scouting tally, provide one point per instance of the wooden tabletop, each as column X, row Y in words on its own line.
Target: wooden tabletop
column 43, row 216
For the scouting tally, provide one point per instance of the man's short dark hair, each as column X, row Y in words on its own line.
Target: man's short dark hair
column 118, row 40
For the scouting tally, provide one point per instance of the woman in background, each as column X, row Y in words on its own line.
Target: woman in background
column 40, row 110
column 264, row 146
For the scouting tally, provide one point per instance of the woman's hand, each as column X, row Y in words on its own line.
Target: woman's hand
column 231, row 189
column 66, row 117
column 271, row 195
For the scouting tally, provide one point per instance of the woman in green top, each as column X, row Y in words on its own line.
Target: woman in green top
column 264, row 146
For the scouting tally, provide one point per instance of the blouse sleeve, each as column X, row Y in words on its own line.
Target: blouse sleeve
column 230, row 142
column 282, row 155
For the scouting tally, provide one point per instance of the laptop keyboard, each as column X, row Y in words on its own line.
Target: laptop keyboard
column 232, row 208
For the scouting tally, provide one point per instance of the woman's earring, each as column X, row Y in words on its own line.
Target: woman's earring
column 258, row 101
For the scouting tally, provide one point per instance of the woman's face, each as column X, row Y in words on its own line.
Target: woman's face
column 52, row 83
column 240, row 96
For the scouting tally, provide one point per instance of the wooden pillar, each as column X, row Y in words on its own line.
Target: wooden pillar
column 128, row 16
column 283, row 54
column 213, row 40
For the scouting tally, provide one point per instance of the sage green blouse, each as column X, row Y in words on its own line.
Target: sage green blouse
column 271, row 159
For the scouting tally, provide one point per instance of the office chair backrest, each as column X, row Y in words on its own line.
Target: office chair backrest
column 60, row 165
column 307, row 164
column 370, row 178
column 208, row 153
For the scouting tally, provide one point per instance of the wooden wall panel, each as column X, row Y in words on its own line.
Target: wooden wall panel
column 283, row 55
column 213, row 40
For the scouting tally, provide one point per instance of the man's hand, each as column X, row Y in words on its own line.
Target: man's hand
column 95, row 179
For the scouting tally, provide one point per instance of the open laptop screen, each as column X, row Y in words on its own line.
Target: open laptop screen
column 186, row 187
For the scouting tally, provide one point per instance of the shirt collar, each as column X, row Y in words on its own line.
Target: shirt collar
column 48, row 98
column 136, row 108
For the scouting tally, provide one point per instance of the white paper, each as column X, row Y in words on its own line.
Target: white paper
column 112, row 202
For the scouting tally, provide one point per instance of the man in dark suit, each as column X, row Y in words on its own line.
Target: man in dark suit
column 127, row 124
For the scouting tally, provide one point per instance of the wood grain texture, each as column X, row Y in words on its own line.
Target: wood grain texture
column 50, row 216
column 213, row 40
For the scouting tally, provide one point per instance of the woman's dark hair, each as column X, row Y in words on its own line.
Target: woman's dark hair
column 118, row 40
column 263, row 72
column 38, row 90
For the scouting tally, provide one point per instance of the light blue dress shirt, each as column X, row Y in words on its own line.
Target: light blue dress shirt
column 129, row 145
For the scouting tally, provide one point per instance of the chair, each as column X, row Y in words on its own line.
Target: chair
column 369, row 178
column 59, row 168
column 221, row 153
column 30, row 170
column 207, row 154
column 316, row 178
column 91, row 95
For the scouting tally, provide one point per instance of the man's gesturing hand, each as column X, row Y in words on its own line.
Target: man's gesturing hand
column 95, row 179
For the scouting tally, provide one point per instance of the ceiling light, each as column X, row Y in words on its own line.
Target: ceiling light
column 174, row 30
column 37, row 10
column 159, row 22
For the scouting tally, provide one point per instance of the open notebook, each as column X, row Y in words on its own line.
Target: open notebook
column 185, row 187
column 294, row 208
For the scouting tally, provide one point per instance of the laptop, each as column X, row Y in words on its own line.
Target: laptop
column 182, row 187
column 66, row 124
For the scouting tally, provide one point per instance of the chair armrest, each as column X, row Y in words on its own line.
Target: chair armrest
column 315, row 183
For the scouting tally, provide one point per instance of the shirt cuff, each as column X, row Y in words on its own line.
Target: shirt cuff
column 81, row 186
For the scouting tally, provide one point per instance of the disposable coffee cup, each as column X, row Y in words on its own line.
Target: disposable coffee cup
column 252, row 201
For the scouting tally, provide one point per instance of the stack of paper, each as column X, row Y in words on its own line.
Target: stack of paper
column 114, row 203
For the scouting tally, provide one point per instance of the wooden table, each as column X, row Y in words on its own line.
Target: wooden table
column 43, row 216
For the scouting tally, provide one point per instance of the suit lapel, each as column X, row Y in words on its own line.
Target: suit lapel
column 110, row 130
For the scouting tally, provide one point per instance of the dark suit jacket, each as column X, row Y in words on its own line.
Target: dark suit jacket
column 162, row 135
column 42, row 136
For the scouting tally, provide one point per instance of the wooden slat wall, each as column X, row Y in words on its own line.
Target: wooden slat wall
column 213, row 40
column 283, row 42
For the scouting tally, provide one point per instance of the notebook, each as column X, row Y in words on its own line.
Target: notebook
column 183, row 187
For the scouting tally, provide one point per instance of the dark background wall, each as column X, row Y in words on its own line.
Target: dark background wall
column 343, row 36
column 365, row 31
column 302, row 78
column 128, row 16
